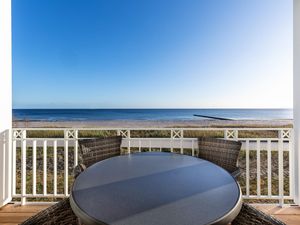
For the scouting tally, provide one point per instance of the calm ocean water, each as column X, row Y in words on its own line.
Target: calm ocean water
column 148, row 114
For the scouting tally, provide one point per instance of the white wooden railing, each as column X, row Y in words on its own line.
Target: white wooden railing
column 43, row 158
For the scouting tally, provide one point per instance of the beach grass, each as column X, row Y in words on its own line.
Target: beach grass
column 152, row 133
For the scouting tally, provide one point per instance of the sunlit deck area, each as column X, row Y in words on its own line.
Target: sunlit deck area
column 15, row 213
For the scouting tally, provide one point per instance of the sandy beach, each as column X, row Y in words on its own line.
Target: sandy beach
column 150, row 123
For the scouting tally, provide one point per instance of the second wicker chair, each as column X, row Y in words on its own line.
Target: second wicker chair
column 59, row 214
column 221, row 152
column 95, row 150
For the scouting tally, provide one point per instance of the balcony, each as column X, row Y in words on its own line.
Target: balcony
column 36, row 163
column 43, row 160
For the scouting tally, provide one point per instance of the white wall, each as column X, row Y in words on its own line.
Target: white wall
column 5, row 100
column 296, row 87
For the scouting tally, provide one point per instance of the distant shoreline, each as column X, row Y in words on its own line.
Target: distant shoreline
column 150, row 123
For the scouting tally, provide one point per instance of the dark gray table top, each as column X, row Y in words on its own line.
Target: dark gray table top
column 155, row 188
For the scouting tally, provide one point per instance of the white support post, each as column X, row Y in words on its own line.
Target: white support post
column 296, row 101
column 5, row 103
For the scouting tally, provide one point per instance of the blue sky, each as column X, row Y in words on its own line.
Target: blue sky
column 152, row 54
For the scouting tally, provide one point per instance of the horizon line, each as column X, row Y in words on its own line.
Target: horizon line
column 151, row 108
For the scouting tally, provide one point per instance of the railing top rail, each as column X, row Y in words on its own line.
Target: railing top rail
column 157, row 128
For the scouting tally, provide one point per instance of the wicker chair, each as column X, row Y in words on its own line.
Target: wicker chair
column 59, row 214
column 251, row 216
column 95, row 150
column 221, row 152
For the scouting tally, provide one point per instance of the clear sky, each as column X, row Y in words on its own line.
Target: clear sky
column 152, row 53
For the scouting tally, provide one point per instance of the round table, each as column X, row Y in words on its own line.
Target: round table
column 155, row 188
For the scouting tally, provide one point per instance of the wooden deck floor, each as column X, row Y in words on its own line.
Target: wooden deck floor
column 15, row 213
column 12, row 214
column 289, row 215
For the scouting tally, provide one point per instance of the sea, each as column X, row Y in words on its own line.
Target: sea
column 148, row 114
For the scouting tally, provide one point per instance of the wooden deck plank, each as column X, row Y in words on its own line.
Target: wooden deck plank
column 13, row 214
column 289, row 215
column 9, row 223
column 277, row 210
column 14, row 217
column 19, row 208
column 289, row 219
column 287, row 211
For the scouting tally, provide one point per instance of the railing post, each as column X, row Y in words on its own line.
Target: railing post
column 177, row 134
column 76, row 148
column 296, row 101
column 172, row 137
column 66, row 161
column 281, row 136
column 125, row 134
column 55, row 167
column 258, row 179
column 129, row 147
column 225, row 134
column 231, row 134
column 34, row 167
column 181, row 141
column 14, row 162
column 45, row 167
column 291, row 164
column 23, row 167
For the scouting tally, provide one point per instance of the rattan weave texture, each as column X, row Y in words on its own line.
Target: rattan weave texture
column 59, row 214
column 221, row 152
column 98, row 149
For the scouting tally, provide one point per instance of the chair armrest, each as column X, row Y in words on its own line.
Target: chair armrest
column 236, row 173
column 78, row 169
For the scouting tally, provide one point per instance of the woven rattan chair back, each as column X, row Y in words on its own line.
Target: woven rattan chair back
column 59, row 214
column 221, row 152
column 251, row 216
column 95, row 150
